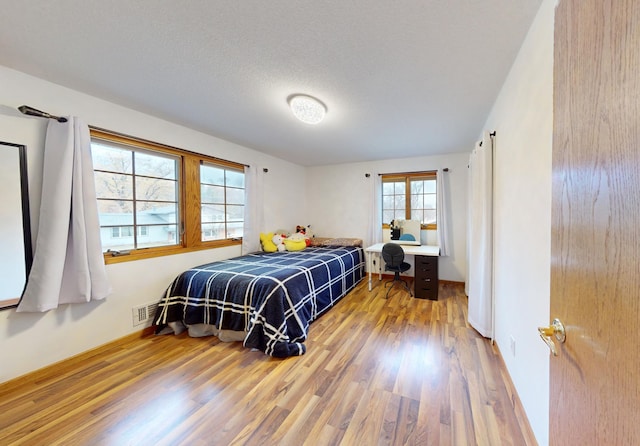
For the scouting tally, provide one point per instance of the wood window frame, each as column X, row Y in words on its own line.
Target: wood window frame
column 189, row 223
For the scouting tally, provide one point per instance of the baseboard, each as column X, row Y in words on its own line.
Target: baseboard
column 518, row 408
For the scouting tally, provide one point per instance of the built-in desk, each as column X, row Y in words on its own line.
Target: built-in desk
column 425, row 264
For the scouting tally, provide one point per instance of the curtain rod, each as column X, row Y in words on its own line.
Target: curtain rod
column 491, row 135
column 27, row 110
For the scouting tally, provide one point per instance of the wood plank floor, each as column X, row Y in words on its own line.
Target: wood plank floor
column 376, row 372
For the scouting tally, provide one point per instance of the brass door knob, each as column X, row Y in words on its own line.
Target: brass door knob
column 556, row 329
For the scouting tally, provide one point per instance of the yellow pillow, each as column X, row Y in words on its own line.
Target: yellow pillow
column 295, row 245
column 267, row 242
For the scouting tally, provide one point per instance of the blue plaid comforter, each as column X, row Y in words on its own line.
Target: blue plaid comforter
column 272, row 296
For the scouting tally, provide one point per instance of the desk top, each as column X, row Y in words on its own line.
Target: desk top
column 422, row 250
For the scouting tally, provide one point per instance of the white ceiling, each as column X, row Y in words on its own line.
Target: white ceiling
column 400, row 78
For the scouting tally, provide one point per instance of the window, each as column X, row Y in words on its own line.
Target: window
column 222, row 202
column 136, row 189
column 409, row 196
column 156, row 200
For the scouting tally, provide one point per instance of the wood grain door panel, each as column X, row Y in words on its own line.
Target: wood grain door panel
column 595, row 258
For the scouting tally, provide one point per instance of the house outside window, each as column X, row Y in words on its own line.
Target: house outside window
column 127, row 231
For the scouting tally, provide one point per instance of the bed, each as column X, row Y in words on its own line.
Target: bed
column 265, row 300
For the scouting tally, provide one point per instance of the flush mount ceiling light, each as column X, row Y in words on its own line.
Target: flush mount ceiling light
column 307, row 109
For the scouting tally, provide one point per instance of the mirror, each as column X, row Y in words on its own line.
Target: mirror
column 405, row 232
column 15, row 223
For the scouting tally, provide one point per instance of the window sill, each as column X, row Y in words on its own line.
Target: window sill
column 9, row 303
column 149, row 253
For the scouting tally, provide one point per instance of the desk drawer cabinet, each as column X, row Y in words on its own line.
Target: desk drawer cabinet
column 426, row 277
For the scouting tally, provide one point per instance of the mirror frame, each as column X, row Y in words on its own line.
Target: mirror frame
column 26, row 214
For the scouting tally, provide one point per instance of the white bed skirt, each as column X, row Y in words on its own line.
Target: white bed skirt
column 202, row 330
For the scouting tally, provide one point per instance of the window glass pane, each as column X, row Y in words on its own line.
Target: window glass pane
column 235, row 179
column 387, row 202
column 173, row 236
column 211, row 194
column 235, row 196
column 113, row 185
column 430, row 201
column 115, row 212
column 159, row 235
column 417, row 201
column 417, row 214
column 393, row 200
column 387, row 216
column 212, row 213
column 417, row 187
column 152, row 213
column 211, row 175
column 429, row 217
column 430, row 186
column 117, row 238
column 387, row 188
column 213, row 231
column 234, row 230
column 155, row 189
column 155, row 165
column 112, row 159
column 399, row 202
column 235, row 213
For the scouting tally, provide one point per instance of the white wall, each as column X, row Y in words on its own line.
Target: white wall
column 339, row 201
column 522, row 117
column 31, row 341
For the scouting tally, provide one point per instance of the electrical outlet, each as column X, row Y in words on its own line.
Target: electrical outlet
column 512, row 345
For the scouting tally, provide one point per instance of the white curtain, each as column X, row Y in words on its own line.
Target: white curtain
column 253, row 209
column 480, row 238
column 68, row 265
column 374, row 227
column 441, row 212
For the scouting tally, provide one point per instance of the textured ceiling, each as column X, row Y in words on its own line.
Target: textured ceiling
column 400, row 78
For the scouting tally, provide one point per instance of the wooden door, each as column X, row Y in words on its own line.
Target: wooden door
column 595, row 254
